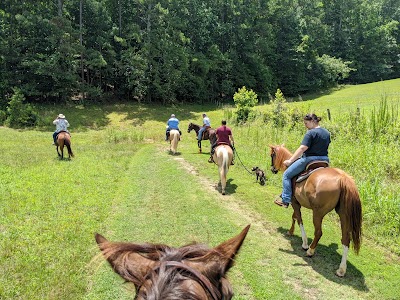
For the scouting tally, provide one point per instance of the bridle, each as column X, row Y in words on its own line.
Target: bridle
column 273, row 156
column 193, row 274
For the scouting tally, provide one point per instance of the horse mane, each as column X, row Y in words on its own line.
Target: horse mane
column 281, row 155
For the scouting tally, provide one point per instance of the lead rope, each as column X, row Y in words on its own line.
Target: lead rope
column 237, row 154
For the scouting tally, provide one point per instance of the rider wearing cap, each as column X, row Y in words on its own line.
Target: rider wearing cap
column 172, row 123
column 206, row 125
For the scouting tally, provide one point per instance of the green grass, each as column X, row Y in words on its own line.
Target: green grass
column 124, row 184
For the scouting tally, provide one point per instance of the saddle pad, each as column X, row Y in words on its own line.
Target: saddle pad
column 305, row 176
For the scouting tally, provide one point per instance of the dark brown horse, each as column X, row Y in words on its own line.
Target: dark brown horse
column 64, row 139
column 192, row 272
column 208, row 134
column 324, row 190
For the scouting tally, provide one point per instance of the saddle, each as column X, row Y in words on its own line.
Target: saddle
column 203, row 136
column 310, row 168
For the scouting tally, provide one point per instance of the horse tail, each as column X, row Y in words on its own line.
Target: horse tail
column 68, row 144
column 212, row 136
column 350, row 200
column 175, row 142
column 224, row 164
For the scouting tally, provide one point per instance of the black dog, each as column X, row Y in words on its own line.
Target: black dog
column 260, row 175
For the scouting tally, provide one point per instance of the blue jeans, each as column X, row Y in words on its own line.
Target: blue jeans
column 295, row 168
column 200, row 135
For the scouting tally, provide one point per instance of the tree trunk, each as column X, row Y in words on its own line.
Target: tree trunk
column 60, row 7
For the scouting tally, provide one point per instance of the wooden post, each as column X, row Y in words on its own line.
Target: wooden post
column 329, row 114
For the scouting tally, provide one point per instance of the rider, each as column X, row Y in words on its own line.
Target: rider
column 172, row 123
column 206, row 125
column 61, row 125
column 314, row 146
column 224, row 137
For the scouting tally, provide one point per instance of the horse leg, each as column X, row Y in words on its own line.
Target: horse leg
column 199, row 145
column 345, row 244
column 297, row 216
column 317, row 220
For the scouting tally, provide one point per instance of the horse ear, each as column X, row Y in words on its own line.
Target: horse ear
column 220, row 259
column 125, row 259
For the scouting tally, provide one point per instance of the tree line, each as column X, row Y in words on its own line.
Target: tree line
column 192, row 50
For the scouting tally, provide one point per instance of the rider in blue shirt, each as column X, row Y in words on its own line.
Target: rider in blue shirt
column 173, row 123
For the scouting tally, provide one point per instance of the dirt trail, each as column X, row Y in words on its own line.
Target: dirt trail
column 231, row 203
column 306, row 277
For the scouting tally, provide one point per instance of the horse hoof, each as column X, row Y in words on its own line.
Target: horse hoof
column 223, row 193
column 304, row 248
column 340, row 273
column 310, row 252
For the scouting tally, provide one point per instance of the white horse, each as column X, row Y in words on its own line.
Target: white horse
column 174, row 137
column 223, row 156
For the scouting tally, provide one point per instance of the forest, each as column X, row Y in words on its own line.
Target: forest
column 192, row 51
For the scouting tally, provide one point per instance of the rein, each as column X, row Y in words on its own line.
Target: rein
column 200, row 278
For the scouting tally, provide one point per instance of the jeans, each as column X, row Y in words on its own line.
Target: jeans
column 295, row 168
column 200, row 135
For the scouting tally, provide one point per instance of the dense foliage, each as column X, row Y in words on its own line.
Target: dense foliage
column 190, row 50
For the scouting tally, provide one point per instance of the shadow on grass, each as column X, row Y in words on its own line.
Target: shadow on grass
column 229, row 189
column 326, row 261
column 96, row 116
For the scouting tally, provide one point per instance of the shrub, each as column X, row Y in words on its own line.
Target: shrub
column 19, row 114
column 244, row 100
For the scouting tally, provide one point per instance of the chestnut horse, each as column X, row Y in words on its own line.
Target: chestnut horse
column 223, row 156
column 208, row 134
column 64, row 139
column 174, row 137
column 162, row 272
column 324, row 190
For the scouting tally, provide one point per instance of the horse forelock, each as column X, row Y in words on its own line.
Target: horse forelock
column 281, row 154
column 171, row 279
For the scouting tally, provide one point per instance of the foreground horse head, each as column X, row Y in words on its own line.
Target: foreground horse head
column 162, row 272
column 324, row 190
column 223, row 156
column 64, row 139
column 174, row 137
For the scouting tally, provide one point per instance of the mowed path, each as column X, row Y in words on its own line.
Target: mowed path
column 163, row 198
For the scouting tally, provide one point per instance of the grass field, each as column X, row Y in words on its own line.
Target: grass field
column 124, row 184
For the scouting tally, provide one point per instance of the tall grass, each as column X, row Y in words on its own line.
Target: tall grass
column 365, row 144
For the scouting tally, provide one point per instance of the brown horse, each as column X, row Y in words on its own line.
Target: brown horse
column 208, row 134
column 324, row 190
column 223, row 156
column 174, row 137
column 64, row 139
column 162, row 272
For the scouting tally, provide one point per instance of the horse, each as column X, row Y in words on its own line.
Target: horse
column 208, row 134
column 174, row 137
column 161, row 272
column 223, row 156
column 64, row 139
column 324, row 190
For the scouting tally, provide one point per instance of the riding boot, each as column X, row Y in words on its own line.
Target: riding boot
column 211, row 160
